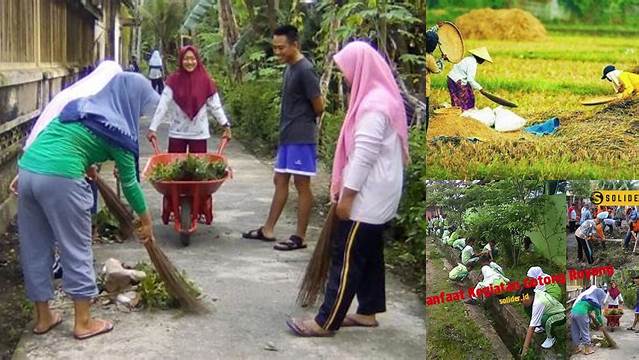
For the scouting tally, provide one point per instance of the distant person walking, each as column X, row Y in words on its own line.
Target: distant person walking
column 156, row 72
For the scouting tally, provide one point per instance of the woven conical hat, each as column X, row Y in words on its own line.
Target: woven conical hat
column 451, row 42
column 481, row 52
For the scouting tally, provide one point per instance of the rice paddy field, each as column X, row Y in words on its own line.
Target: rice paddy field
column 547, row 78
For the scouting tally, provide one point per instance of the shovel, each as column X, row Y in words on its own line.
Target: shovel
column 497, row 99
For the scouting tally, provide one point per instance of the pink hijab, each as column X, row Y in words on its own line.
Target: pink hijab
column 87, row 86
column 373, row 89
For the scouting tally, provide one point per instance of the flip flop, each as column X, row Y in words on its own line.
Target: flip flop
column 56, row 323
column 107, row 326
column 293, row 243
column 257, row 234
column 351, row 321
column 300, row 330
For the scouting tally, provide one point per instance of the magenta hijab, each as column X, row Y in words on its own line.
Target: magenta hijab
column 373, row 89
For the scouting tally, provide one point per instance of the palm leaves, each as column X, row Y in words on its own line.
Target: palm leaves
column 197, row 13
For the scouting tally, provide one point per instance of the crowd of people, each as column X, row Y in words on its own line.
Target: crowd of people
column 597, row 224
column 542, row 302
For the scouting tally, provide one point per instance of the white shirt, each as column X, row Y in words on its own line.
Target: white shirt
column 573, row 215
column 155, row 73
column 465, row 71
column 467, row 253
column 537, row 312
column 181, row 126
column 610, row 301
column 375, row 169
column 496, row 267
column 586, row 229
column 490, row 274
column 614, row 77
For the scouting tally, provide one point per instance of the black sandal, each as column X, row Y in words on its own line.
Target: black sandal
column 293, row 243
column 257, row 234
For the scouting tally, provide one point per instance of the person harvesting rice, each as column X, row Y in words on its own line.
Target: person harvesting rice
column 89, row 130
column 433, row 66
column 624, row 82
column 461, row 79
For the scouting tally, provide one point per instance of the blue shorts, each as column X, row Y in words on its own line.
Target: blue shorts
column 297, row 159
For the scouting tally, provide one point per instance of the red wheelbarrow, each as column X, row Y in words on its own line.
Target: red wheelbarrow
column 185, row 202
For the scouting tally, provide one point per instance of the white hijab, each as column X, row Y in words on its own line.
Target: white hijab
column 87, row 86
column 156, row 59
column 614, row 77
column 535, row 272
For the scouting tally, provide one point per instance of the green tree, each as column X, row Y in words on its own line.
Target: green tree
column 161, row 21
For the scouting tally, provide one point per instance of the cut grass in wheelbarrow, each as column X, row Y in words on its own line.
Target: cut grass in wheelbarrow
column 187, row 182
column 190, row 169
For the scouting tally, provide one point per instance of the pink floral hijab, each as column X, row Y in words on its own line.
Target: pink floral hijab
column 373, row 89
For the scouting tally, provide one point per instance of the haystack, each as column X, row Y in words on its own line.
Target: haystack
column 502, row 24
column 451, row 125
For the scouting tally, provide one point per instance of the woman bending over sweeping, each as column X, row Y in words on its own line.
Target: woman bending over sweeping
column 366, row 184
column 89, row 130
column 583, row 311
column 461, row 79
column 188, row 95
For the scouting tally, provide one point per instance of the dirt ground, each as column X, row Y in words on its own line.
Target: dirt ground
column 473, row 312
column 15, row 311
column 613, row 253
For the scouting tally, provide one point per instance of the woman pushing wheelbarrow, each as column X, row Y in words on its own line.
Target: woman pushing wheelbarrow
column 613, row 310
column 189, row 95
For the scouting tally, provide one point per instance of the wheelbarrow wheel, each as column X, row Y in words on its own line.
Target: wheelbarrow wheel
column 185, row 221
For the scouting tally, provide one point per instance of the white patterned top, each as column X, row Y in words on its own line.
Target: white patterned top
column 180, row 125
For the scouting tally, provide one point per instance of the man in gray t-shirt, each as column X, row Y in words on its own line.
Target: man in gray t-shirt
column 302, row 104
column 297, row 116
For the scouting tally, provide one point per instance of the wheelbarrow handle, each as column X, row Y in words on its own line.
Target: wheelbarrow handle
column 222, row 145
column 154, row 143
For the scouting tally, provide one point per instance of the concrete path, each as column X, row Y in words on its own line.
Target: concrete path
column 627, row 340
column 250, row 287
